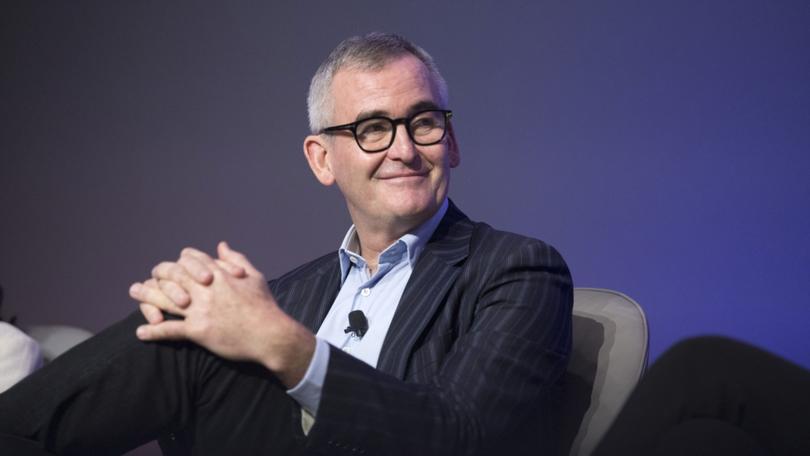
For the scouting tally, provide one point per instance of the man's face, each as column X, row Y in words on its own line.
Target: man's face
column 406, row 183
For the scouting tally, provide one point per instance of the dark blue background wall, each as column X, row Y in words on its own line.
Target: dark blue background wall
column 661, row 146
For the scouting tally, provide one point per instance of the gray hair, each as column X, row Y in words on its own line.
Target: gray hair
column 370, row 52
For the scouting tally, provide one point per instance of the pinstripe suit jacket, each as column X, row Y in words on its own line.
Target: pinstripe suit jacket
column 470, row 363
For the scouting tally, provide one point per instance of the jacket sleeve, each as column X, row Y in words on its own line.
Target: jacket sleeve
column 490, row 392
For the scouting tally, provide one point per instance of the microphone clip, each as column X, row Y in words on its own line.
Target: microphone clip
column 358, row 324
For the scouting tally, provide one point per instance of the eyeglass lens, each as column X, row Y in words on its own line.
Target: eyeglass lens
column 377, row 133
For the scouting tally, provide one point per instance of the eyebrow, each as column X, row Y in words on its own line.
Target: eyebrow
column 417, row 107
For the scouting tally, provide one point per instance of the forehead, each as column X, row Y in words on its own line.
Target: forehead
column 393, row 89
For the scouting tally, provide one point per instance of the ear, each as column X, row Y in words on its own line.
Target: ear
column 454, row 154
column 316, row 149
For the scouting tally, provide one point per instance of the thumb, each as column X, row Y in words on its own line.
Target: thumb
column 166, row 330
column 232, row 269
column 232, row 256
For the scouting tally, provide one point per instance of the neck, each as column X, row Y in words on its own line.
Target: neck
column 373, row 242
column 373, row 238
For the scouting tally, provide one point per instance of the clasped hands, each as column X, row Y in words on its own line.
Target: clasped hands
column 225, row 306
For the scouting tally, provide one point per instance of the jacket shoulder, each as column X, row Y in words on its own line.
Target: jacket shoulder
column 312, row 270
column 487, row 243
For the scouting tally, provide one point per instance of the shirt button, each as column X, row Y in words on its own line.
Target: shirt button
column 365, row 291
column 347, row 349
column 353, row 260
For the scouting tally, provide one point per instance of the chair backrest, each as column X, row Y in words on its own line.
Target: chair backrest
column 609, row 354
column 56, row 339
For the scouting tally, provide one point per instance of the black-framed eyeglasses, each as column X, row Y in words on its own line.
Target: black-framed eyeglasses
column 376, row 134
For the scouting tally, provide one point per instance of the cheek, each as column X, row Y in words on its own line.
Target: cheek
column 444, row 161
column 354, row 171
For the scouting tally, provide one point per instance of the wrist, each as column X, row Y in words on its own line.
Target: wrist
column 290, row 354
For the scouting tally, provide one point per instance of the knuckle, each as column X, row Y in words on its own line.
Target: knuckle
column 170, row 287
column 189, row 253
column 175, row 272
column 187, row 258
column 217, row 273
column 161, row 268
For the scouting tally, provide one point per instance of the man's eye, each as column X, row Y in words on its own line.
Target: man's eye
column 373, row 128
column 423, row 124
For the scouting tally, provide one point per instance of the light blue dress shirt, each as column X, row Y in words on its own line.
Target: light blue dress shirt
column 376, row 295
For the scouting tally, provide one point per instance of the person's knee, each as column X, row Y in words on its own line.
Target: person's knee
column 705, row 436
column 701, row 350
column 699, row 361
column 17, row 446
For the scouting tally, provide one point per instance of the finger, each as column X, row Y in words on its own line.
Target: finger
column 152, row 314
column 168, row 330
column 173, row 272
column 198, row 264
column 154, row 296
column 175, row 292
column 232, row 256
column 232, row 269
column 172, row 291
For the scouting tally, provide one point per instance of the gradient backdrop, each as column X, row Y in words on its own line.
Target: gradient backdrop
column 661, row 146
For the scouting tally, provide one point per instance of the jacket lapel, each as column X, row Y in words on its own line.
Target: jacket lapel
column 434, row 274
column 315, row 296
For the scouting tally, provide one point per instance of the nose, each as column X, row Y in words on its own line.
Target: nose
column 403, row 148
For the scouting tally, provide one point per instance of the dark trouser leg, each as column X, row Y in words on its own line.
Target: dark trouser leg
column 18, row 446
column 718, row 395
column 114, row 392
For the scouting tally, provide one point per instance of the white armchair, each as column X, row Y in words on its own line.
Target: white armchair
column 19, row 355
column 22, row 353
column 609, row 355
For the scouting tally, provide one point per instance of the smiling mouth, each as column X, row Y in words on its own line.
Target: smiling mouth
column 404, row 176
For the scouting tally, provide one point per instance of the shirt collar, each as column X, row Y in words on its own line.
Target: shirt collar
column 414, row 242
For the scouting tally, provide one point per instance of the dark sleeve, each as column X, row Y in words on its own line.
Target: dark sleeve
column 496, row 382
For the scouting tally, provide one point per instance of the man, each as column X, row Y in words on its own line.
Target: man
column 463, row 336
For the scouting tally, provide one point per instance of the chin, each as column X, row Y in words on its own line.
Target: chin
column 414, row 209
